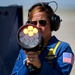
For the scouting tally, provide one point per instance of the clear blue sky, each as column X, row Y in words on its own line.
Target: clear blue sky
column 28, row 3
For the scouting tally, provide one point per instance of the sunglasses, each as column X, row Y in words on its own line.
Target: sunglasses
column 41, row 22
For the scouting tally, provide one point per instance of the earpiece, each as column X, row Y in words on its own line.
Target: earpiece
column 54, row 19
column 55, row 22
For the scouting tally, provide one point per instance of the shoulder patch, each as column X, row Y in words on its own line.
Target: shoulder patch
column 68, row 58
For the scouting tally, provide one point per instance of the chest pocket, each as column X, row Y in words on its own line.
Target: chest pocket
column 52, row 54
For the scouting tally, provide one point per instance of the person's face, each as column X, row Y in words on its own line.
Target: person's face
column 46, row 28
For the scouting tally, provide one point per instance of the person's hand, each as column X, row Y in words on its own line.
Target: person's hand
column 32, row 58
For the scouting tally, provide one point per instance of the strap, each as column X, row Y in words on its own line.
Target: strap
column 53, row 50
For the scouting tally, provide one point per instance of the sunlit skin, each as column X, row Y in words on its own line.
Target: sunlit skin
column 46, row 33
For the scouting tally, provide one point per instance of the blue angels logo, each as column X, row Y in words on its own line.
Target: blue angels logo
column 52, row 51
column 51, row 54
column 51, row 57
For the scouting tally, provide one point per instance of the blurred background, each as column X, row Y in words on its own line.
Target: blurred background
column 66, row 10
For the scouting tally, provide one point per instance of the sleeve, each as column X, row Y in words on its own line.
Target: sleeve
column 63, row 64
column 65, row 59
column 19, row 67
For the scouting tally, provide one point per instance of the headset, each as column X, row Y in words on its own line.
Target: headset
column 54, row 20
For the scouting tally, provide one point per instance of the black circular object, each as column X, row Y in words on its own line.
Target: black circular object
column 29, row 37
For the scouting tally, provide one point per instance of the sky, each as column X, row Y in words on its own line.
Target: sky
column 28, row 3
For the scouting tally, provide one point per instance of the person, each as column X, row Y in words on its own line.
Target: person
column 57, row 57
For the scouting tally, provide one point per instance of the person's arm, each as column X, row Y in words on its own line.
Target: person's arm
column 20, row 67
column 65, row 59
column 63, row 64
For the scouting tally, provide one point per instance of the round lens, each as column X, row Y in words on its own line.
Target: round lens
column 43, row 22
column 34, row 22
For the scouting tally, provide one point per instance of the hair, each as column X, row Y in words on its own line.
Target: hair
column 36, row 9
column 43, row 7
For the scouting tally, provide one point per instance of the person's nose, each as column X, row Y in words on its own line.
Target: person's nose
column 38, row 25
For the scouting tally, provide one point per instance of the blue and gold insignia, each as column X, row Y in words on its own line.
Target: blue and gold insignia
column 52, row 52
column 49, row 57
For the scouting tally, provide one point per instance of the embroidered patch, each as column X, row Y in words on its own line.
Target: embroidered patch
column 68, row 58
